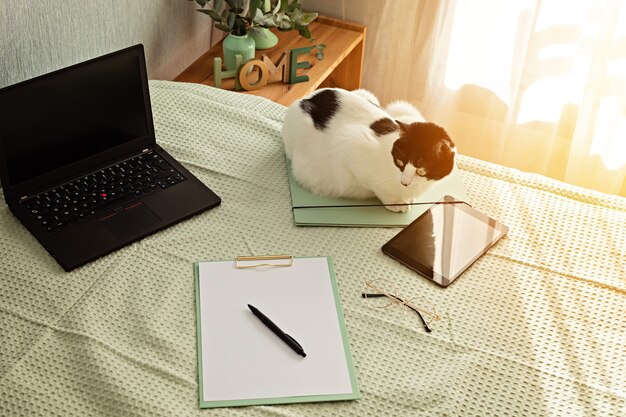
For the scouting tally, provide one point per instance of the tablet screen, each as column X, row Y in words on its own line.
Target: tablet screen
column 445, row 240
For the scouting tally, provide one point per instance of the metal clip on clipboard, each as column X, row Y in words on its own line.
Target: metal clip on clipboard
column 239, row 261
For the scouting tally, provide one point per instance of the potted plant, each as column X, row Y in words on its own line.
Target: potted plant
column 243, row 26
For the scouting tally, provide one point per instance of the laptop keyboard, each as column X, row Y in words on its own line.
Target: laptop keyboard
column 102, row 191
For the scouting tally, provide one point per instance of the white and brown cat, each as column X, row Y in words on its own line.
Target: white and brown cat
column 343, row 144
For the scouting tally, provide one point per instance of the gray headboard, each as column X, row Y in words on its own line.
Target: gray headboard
column 36, row 38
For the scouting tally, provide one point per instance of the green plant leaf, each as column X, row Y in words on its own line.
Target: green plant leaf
column 277, row 8
column 201, row 3
column 295, row 5
column 320, row 51
column 253, row 7
column 214, row 15
column 282, row 21
column 232, row 3
column 258, row 17
column 306, row 18
column 218, row 4
column 285, row 22
column 231, row 20
column 304, row 32
column 269, row 21
column 223, row 27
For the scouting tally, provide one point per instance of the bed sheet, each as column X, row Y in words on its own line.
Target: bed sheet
column 535, row 327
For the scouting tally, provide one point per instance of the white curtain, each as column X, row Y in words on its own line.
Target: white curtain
column 535, row 85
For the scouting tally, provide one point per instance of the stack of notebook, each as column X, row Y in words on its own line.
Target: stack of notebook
column 314, row 210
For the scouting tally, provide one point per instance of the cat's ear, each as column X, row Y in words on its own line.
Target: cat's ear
column 444, row 146
column 403, row 127
column 446, row 138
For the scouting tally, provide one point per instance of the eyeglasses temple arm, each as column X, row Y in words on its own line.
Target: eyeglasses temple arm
column 426, row 327
column 366, row 295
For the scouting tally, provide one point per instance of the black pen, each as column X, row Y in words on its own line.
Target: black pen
column 291, row 342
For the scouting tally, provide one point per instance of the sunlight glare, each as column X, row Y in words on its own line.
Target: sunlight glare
column 608, row 138
column 540, row 56
column 544, row 98
column 477, row 55
column 563, row 66
column 562, row 12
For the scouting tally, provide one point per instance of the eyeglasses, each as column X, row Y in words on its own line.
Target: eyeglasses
column 384, row 290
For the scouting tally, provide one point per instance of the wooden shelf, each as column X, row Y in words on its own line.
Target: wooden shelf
column 341, row 67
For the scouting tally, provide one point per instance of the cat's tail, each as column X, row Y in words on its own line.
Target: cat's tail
column 404, row 111
column 367, row 95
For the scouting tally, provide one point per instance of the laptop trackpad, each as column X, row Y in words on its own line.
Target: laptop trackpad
column 129, row 220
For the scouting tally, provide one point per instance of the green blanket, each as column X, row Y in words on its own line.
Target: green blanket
column 535, row 327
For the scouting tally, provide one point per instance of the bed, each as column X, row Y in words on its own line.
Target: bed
column 537, row 326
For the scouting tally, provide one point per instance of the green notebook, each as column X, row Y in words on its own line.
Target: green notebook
column 241, row 362
column 313, row 210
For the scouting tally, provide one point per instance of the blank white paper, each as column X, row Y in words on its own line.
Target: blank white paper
column 242, row 359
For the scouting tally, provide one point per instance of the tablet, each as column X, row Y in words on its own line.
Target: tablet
column 445, row 240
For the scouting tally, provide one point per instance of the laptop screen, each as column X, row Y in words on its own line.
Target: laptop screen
column 62, row 118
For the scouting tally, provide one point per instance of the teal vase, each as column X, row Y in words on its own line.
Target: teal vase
column 237, row 45
column 265, row 39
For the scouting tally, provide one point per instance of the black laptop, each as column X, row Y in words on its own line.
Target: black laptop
column 79, row 163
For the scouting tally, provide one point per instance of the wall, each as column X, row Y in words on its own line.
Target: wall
column 367, row 13
column 39, row 37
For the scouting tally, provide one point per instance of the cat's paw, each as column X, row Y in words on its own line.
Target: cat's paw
column 398, row 207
